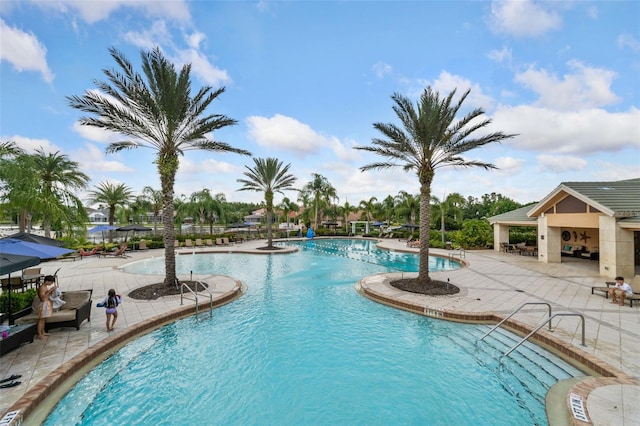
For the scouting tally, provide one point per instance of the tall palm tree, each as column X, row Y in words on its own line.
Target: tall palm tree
column 430, row 137
column 156, row 110
column 268, row 176
column 59, row 178
column 203, row 205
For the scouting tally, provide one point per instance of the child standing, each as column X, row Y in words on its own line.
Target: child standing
column 111, row 303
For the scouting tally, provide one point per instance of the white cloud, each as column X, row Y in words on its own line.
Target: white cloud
column 523, row 18
column 95, row 11
column 446, row 82
column 201, row 67
column 159, row 35
column 286, row 133
column 569, row 132
column 149, row 38
column 381, row 69
column 24, row 51
column 509, row 164
column 95, row 134
column 628, row 41
column 561, row 163
column 93, row 159
column 30, row 145
column 585, row 87
column 502, row 56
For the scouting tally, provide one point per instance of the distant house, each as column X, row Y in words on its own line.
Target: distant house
column 599, row 221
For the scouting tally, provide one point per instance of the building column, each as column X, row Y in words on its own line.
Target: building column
column 549, row 242
column 500, row 235
column 616, row 249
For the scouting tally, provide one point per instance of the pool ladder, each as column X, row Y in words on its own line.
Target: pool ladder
column 547, row 321
column 194, row 293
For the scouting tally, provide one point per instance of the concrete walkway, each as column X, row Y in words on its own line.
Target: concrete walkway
column 492, row 282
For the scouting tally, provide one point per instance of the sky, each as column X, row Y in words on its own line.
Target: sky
column 307, row 80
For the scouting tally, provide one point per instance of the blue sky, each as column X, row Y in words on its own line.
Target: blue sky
column 306, row 80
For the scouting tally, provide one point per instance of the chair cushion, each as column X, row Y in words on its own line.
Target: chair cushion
column 74, row 299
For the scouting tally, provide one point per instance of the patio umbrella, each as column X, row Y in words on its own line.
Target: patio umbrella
column 133, row 228
column 102, row 228
column 10, row 263
column 32, row 238
column 24, row 248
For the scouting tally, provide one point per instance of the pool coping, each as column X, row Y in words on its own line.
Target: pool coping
column 599, row 373
column 35, row 405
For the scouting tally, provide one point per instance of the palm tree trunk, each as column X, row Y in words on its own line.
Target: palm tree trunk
column 167, row 167
column 425, row 218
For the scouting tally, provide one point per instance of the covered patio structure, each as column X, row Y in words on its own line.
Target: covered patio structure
column 594, row 220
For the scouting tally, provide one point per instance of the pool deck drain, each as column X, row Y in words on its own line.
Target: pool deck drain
column 493, row 283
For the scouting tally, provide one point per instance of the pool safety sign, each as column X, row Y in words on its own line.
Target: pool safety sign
column 11, row 418
column 577, row 408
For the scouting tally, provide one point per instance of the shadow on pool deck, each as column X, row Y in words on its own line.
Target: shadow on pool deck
column 492, row 282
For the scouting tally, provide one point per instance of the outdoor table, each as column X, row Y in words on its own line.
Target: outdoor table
column 17, row 335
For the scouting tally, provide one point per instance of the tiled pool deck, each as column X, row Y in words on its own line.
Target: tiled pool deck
column 492, row 283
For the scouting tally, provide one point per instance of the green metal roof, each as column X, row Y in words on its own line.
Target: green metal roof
column 517, row 215
column 621, row 197
column 617, row 198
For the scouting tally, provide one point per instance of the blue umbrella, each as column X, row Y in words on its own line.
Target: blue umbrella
column 102, row 228
column 24, row 248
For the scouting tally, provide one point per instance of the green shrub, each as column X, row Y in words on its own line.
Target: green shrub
column 19, row 301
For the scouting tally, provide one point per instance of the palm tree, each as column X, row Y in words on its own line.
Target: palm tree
column 58, row 180
column 346, row 210
column 408, row 205
column 112, row 195
column 203, row 205
column 268, row 176
column 154, row 198
column 321, row 191
column 430, row 137
column 287, row 206
column 156, row 110
column 452, row 204
column 368, row 208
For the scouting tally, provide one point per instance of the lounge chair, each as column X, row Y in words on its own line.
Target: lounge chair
column 143, row 245
column 199, row 243
column 635, row 287
column 91, row 252
column 188, row 243
column 119, row 252
column 226, row 242
column 176, row 244
column 208, row 242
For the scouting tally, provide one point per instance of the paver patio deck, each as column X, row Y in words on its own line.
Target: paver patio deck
column 492, row 282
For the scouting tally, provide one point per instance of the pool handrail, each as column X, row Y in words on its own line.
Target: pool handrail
column 515, row 312
column 564, row 314
column 195, row 294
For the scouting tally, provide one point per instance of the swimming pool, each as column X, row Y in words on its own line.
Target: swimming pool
column 302, row 347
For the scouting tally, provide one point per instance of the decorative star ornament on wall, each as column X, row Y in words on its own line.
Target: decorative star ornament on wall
column 584, row 237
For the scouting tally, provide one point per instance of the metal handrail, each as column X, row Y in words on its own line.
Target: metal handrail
column 515, row 312
column 195, row 294
column 564, row 314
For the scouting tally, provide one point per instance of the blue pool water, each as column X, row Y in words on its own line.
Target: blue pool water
column 302, row 347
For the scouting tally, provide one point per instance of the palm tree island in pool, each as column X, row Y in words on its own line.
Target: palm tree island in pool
column 155, row 110
column 430, row 137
